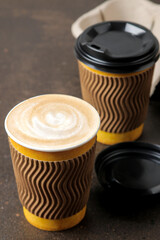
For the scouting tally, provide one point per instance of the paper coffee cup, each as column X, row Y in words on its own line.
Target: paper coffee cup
column 52, row 140
column 116, row 63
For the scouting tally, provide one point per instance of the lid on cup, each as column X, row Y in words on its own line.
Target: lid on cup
column 117, row 46
column 131, row 168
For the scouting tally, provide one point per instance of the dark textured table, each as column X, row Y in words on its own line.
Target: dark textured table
column 36, row 57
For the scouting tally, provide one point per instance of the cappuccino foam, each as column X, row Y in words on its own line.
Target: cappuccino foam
column 52, row 122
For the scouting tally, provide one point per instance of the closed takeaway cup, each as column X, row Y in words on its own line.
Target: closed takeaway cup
column 116, row 63
column 52, row 141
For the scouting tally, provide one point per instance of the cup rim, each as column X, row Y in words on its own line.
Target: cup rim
column 53, row 149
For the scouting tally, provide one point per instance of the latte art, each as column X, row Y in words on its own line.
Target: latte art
column 52, row 122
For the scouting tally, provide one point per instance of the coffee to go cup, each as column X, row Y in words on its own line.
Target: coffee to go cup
column 116, row 63
column 52, row 140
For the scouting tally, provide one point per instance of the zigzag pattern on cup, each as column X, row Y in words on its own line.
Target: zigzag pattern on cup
column 122, row 101
column 53, row 190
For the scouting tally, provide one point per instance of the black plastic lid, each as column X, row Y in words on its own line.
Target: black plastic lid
column 131, row 168
column 117, row 46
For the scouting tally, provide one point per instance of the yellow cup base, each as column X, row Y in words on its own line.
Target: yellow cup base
column 54, row 224
column 113, row 138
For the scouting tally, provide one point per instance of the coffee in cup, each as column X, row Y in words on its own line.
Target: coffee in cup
column 52, row 140
column 116, row 63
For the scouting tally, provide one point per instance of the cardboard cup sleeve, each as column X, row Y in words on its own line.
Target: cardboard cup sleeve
column 53, row 190
column 121, row 99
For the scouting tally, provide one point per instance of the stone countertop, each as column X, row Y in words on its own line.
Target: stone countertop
column 37, row 57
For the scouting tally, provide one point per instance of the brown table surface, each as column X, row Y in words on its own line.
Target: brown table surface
column 36, row 57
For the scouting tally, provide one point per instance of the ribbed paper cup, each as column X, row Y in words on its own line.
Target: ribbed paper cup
column 53, row 186
column 116, row 63
column 121, row 100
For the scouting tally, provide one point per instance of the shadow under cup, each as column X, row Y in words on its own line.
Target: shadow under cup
column 116, row 63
